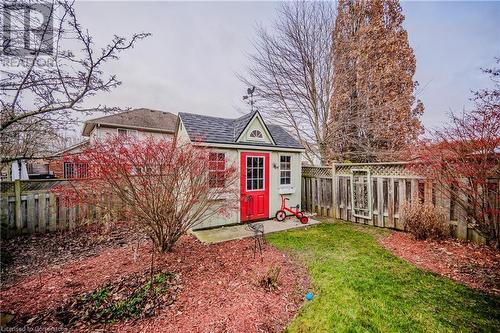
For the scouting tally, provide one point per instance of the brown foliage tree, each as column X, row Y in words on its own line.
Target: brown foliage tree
column 374, row 113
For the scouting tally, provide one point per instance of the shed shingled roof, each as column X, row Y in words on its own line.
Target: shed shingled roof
column 202, row 128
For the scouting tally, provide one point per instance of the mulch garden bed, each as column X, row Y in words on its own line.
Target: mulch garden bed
column 26, row 255
column 473, row 265
column 217, row 288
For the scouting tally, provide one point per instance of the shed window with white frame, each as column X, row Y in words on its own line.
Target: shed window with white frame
column 285, row 170
column 217, row 170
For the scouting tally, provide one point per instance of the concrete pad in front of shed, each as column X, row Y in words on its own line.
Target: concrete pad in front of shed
column 223, row 234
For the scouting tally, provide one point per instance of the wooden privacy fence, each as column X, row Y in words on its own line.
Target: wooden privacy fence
column 31, row 206
column 317, row 190
column 373, row 194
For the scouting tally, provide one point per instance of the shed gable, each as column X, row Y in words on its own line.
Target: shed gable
column 256, row 131
column 216, row 130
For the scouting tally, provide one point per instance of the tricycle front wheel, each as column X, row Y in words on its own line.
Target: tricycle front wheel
column 280, row 215
column 304, row 219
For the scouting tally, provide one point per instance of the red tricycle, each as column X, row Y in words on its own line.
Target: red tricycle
column 281, row 214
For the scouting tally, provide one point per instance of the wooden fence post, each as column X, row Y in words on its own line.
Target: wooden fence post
column 302, row 194
column 335, row 204
column 314, row 189
column 390, row 203
column 307, row 192
column 18, row 210
column 402, row 190
column 42, row 221
column 318, row 196
column 462, row 228
column 53, row 207
column 414, row 190
column 344, row 198
column 380, row 201
column 31, row 212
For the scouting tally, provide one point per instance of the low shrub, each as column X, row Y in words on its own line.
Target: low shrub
column 424, row 221
column 113, row 303
column 131, row 297
column 270, row 280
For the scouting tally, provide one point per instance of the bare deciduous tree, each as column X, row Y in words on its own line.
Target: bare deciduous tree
column 43, row 86
column 292, row 70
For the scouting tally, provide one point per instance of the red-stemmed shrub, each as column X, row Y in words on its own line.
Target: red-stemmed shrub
column 463, row 160
column 162, row 187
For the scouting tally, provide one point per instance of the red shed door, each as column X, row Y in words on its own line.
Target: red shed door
column 254, row 186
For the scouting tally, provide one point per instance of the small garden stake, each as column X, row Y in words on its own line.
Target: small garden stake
column 258, row 236
column 152, row 262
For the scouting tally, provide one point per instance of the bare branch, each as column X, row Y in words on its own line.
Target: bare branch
column 51, row 96
column 292, row 71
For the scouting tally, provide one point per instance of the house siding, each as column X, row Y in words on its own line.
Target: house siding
column 101, row 132
column 56, row 166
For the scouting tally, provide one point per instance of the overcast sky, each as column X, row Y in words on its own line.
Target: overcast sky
column 196, row 48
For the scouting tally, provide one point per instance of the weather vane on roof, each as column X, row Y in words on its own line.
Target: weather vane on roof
column 249, row 95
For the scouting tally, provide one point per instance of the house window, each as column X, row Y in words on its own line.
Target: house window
column 75, row 170
column 127, row 133
column 256, row 134
column 217, row 168
column 37, row 169
column 285, row 170
column 255, row 173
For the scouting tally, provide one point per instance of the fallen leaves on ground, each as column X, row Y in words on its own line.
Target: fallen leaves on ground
column 32, row 253
column 133, row 296
column 220, row 289
column 473, row 265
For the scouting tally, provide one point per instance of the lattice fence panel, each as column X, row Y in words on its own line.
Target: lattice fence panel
column 377, row 197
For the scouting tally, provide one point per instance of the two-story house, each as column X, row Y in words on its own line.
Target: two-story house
column 139, row 123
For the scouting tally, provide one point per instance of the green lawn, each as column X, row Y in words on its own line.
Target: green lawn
column 361, row 287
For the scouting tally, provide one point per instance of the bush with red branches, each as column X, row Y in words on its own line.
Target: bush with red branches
column 162, row 187
column 462, row 159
